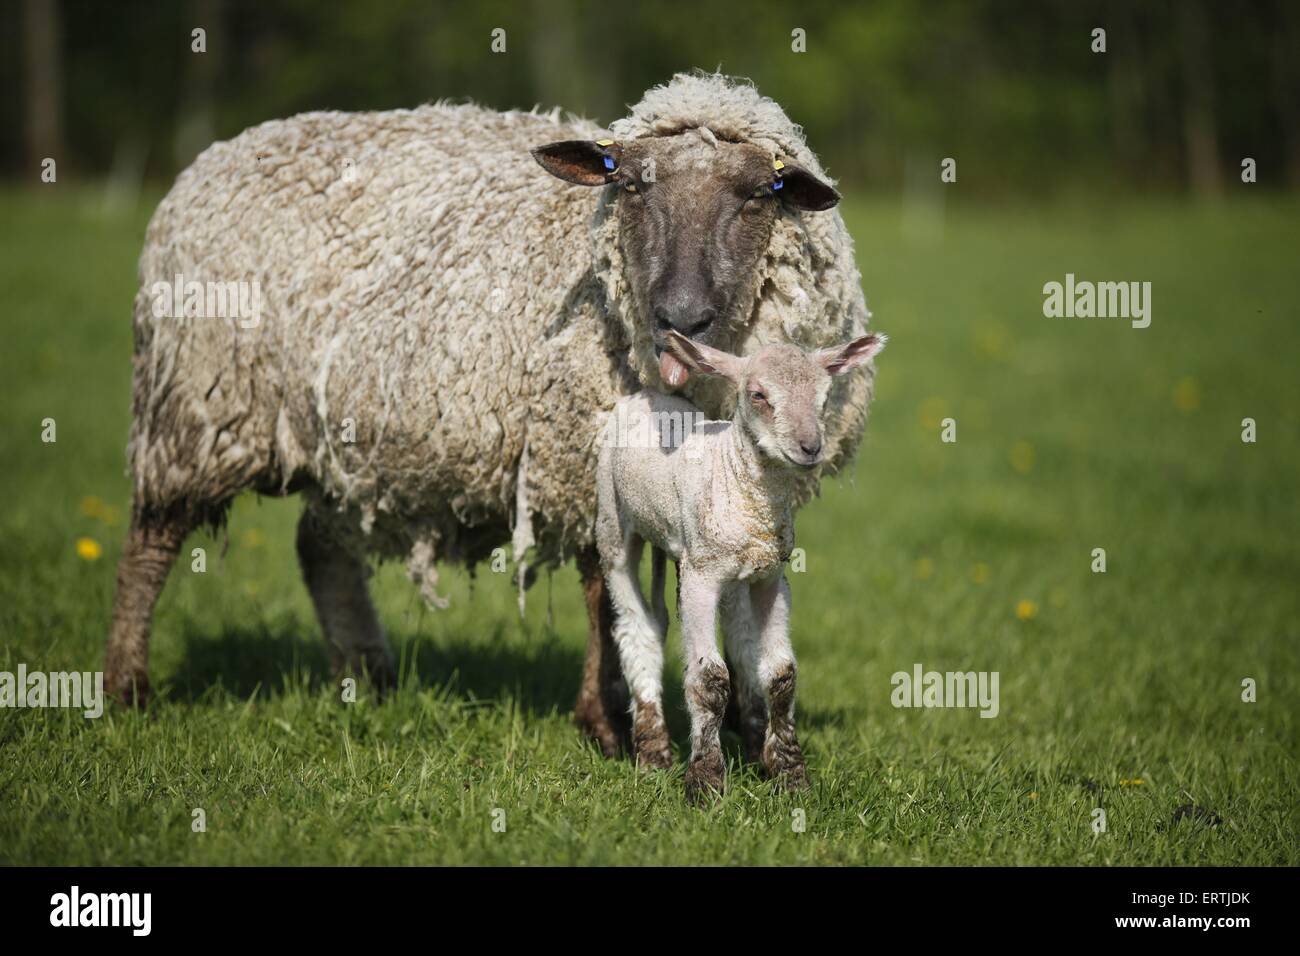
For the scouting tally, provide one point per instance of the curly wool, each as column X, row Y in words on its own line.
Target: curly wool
column 433, row 306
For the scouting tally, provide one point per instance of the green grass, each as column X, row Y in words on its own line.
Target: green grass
column 1131, row 442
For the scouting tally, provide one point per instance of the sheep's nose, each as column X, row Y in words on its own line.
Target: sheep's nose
column 811, row 449
column 691, row 323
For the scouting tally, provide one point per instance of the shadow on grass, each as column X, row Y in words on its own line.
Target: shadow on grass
column 539, row 674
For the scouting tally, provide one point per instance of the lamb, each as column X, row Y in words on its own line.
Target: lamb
column 440, row 333
column 719, row 499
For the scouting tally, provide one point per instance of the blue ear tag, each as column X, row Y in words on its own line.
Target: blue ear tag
column 779, row 184
column 609, row 162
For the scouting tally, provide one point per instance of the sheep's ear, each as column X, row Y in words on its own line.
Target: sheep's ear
column 841, row 358
column 801, row 188
column 582, row 161
column 701, row 358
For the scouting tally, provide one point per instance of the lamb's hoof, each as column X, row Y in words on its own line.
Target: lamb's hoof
column 650, row 739
column 129, row 690
column 655, row 757
column 706, row 780
column 792, row 778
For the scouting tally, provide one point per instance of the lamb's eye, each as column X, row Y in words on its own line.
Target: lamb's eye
column 630, row 187
column 762, row 192
column 758, row 398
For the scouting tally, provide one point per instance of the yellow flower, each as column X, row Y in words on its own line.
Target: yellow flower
column 1027, row 610
column 932, row 412
column 1187, row 395
column 88, row 549
column 92, row 507
column 1022, row 457
column 980, row 573
column 1033, row 795
column 923, row 569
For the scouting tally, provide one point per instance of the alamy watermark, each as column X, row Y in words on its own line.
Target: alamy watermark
column 1102, row 300
column 923, row 688
column 239, row 300
column 627, row 428
column 82, row 691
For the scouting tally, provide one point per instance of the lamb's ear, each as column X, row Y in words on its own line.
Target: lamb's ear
column 701, row 358
column 582, row 161
column 841, row 358
column 801, row 188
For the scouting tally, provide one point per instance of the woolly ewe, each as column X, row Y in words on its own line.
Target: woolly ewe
column 442, row 327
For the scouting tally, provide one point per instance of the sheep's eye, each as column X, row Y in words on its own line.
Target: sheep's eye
column 762, row 192
column 758, row 398
column 630, row 187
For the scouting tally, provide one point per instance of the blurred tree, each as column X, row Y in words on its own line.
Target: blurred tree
column 43, row 89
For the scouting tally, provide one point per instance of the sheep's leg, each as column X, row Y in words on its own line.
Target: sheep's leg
column 641, row 652
column 658, row 578
column 707, row 683
column 601, row 711
column 151, row 549
column 747, row 705
column 782, row 758
column 336, row 578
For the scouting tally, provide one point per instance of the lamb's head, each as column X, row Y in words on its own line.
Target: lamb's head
column 695, row 217
column 782, row 390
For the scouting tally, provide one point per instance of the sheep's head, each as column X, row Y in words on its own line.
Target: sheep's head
column 782, row 390
column 695, row 215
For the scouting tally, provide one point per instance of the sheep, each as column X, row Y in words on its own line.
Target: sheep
column 439, row 334
column 719, row 499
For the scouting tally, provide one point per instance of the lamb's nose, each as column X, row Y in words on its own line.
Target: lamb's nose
column 811, row 449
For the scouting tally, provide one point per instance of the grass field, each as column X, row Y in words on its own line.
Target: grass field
column 1119, row 690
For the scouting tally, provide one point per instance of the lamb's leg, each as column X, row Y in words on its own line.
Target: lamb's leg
column 151, row 549
column 707, row 684
column 641, row 652
column 601, row 711
column 782, row 758
column 336, row 578
column 747, row 706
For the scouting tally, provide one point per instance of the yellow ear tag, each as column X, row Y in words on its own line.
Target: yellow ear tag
column 778, row 165
column 602, row 143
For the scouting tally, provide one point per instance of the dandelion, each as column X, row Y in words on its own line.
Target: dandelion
column 1022, row 457
column 88, row 549
column 932, row 412
column 1187, row 395
column 1027, row 610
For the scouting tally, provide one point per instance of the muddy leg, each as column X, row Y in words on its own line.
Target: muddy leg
column 151, row 549
column 707, row 685
column 601, row 711
column 782, row 757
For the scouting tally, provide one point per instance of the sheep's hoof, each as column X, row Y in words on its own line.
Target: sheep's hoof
column 706, row 779
column 601, row 715
column 129, row 690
